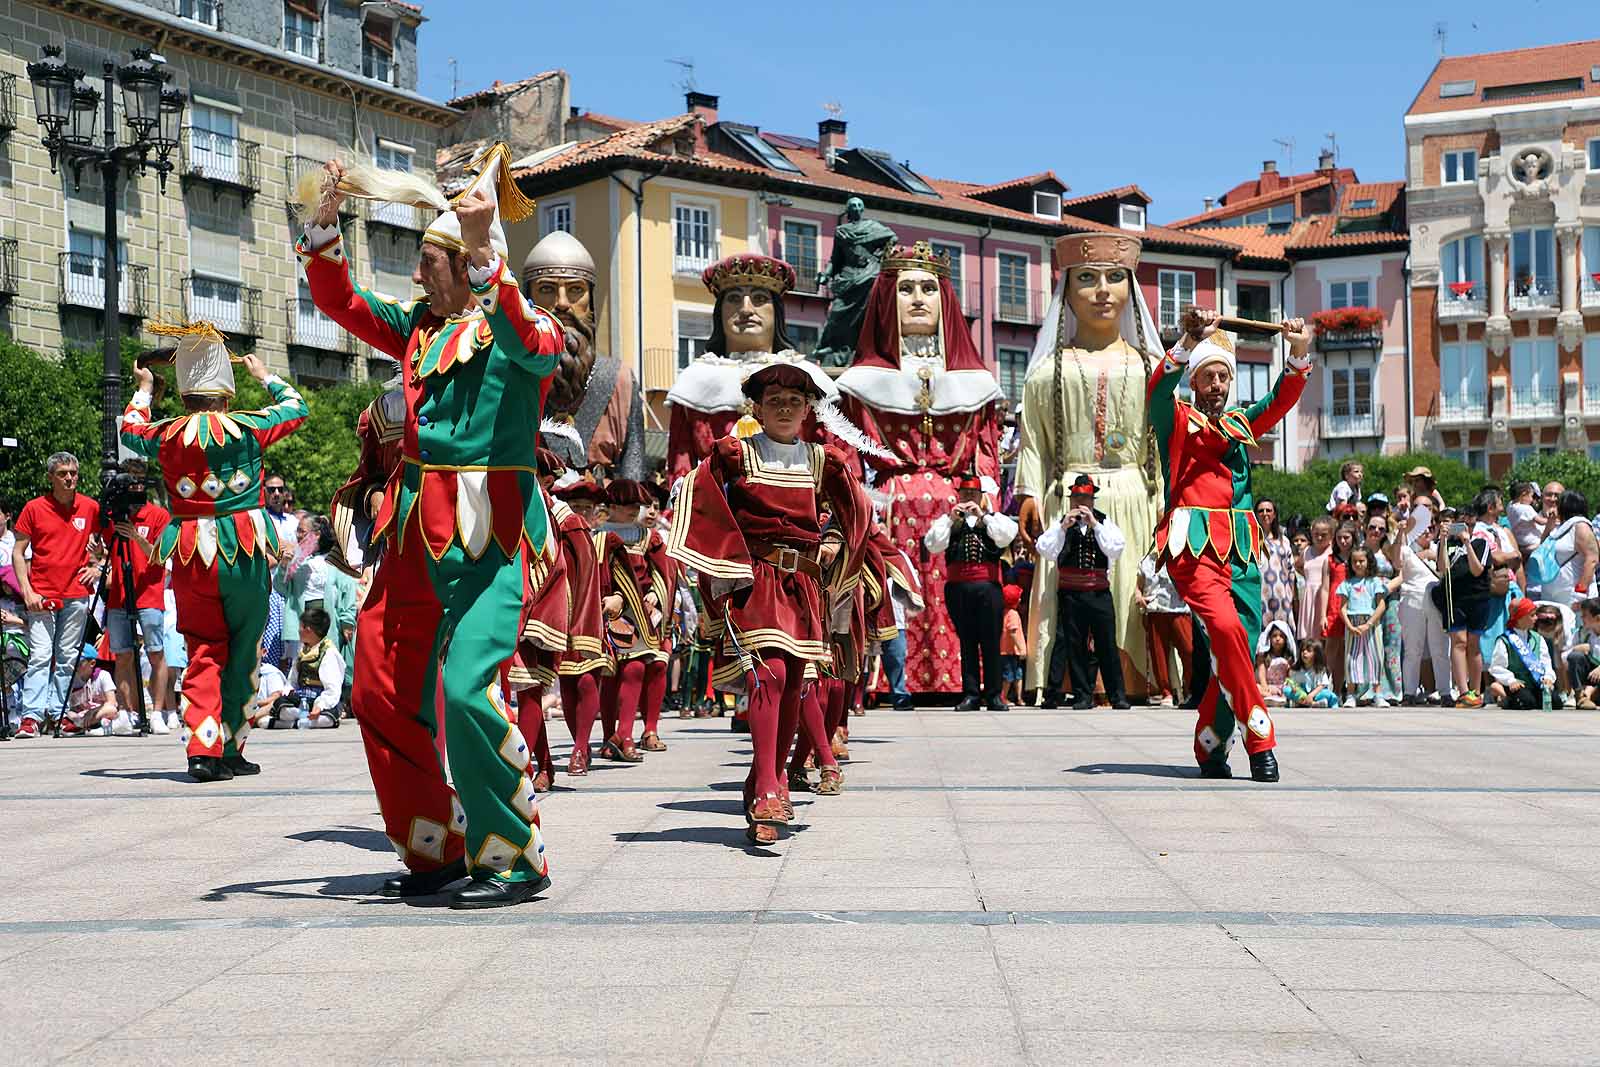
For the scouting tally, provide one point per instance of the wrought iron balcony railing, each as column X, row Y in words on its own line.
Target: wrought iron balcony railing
column 8, row 268
column 1463, row 406
column 1535, row 402
column 83, row 284
column 1021, row 306
column 8, row 104
column 695, row 260
column 220, row 160
column 206, row 12
column 310, row 328
column 1367, row 423
column 1462, row 300
column 229, row 306
column 1345, row 340
column 395, row 216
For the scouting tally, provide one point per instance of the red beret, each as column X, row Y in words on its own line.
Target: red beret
column 625, row 492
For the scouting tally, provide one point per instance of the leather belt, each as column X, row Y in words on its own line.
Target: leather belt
column 787, row 558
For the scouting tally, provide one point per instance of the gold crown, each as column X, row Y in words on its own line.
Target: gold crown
column 748, row 268
column 919, row 256
column 1108, row 248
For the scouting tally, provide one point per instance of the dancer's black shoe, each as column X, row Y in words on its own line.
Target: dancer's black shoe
column 969, row 704
column 1216, row 767
column 239, row 765
column 209, row 769
column 998, row 705
column 493, row 892
column 1264, row 766
column 425, row 883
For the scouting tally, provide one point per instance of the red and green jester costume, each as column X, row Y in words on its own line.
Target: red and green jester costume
column 1209, row 537
column 221, row 545
column 461, row 517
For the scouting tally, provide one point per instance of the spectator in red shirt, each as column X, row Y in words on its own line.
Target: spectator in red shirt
column 54, row 561
column 139, row 536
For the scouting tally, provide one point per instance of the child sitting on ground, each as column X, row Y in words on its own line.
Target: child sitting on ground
column 271, row 688
column 1524, row 678
column 1013, row 647
column 1309, row 685
column 1274, row 658
column 1583, row 658
column 92, row 701
column 317, row 678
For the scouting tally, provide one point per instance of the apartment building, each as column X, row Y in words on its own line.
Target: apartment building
column 1503, row 183
column 274, row 87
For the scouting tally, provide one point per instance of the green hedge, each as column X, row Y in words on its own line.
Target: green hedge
column 1572, row 469
column 1306, row 493
column 51, row 406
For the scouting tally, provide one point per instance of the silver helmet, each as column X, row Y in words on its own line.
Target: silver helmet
column 558, row 255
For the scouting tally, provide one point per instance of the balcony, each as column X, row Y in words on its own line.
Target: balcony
column 805, row 278
column 1348, row 340
column 1021, row 307
column 688, row 259
column 1535, row 402
column 1463, row 302
column 1463, row 408
column 310, row 328
column 230, row 307
column 1589, row 296
column 220, row 161
column 1591, row 399
column 311, row 366
column 83, row 284
column 399, row 217
column 1533, row 300
column 1351, row 423
column 8, row 105
column 8, row 269
column 205, row 12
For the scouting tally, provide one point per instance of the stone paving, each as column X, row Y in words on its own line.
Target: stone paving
column 1027, row 887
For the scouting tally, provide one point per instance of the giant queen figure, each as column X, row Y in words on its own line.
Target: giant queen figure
column 919, row 389
column 1083, row 412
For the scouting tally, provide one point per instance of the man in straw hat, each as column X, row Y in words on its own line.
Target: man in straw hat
column 461, row 516
column 222, row 544
column 1208, row 529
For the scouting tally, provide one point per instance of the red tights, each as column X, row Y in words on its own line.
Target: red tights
column 818, row 718
column 530, row 720
column 580, row 704
column 774, row 714
column 625, row 697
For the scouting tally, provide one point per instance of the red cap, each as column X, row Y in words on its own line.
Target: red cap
column 969, row 481
column 1083, row 484
column 1521, row 609
column 625, row 492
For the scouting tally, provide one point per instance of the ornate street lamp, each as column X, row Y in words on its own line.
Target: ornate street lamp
column 68, row 114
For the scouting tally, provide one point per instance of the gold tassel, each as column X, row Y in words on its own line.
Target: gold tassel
column 747, row 426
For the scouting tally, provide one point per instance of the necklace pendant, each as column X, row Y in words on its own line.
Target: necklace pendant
column 1116, row 441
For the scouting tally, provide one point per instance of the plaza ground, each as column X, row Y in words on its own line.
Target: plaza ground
column 1027, row 887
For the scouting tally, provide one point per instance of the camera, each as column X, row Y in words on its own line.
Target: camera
column 121, row 496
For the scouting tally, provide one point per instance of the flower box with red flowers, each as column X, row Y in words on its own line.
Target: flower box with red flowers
column 1343, row 328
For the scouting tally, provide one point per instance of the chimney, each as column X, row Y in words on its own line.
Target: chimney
column 1209, row 202
column 830, row 138
column 1269, row 177
column 702, row 104
column 1325, row 161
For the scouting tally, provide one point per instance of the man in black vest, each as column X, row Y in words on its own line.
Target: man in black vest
column 972, row 538
column 1085, row 546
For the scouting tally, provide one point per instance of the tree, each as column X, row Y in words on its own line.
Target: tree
column 316, row 459
column 1306, row 493
column 1573, row 470
column 47, row 412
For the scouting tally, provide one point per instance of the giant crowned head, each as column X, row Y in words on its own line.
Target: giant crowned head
column 559, row 276
column 749, row 292
column 913, row 298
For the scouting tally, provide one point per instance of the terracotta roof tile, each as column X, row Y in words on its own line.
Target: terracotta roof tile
column 500, row 88
column 1018, row 183
column 1121, row 192
column 1227, row 211
column 1523, row 66
column 1163, row 236
column 1253, row 242
column 1383, row 195
column 607, row 120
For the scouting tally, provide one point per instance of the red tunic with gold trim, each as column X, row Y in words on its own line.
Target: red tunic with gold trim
column 750, row 497
column 585, row 649
column 633, row 572
column 547, row 594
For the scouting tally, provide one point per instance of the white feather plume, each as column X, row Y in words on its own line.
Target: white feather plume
column 564, row 430
column 838, row 423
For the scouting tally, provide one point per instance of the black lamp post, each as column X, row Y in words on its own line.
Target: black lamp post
column 68, row 111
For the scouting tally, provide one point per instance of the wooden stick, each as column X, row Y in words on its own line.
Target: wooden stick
column 1230, row 322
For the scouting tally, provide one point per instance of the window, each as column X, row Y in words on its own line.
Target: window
column 208, row 12
column 1011, row 365
column 1591, row 259
column 85, row 280
column 1131, row 217
column 1255, row 302
column 214, row 139
column 1350, row 294
column 804, row 337
column 1473, row 458
column 1462, row 374
column 1363, row 205
column 1460, row 166
column 1177, row 293
column 898, row 173
column 1534, row 383
column 800, row 240
column 751, row 141
column 1594, row 452
column 1047, row 204
column 1277, row 213
column 694, row 329
column 301, row 30
column 1594, row 153
column 1591, row 371
column 1349, row 385
column 392, row 156
column 394, row 259
column 1012, row 295
column 694, row 243
column 1253, row 383
column 558, row 216
column 377, row 55
column 1461, row 261
column 955, row 252
column 1457, row 88
column 1533, row 262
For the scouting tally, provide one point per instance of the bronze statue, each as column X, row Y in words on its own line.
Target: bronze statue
column 857, row 248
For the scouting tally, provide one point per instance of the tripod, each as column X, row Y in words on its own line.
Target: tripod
column 124, row 556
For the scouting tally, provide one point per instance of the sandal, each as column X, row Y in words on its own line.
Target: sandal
column 619, row 751
column 841, row 746
column 768, row 811
column 761, row 835
column 798, row 782
column 651, row 742
column 541, row 782
column 832, row 782
column 578, row 763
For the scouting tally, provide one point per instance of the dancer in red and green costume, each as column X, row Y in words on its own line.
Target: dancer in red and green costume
column 221, row 544
column 461, row 517
column 1209, row 527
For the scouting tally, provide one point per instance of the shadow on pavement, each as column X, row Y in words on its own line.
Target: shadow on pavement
column 354, row 836
column 711, row 807
column 356, row 887
column 138, row 776
column 1153, row 770
column 702, row 835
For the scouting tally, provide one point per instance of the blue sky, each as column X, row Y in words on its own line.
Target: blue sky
column 1185, row 99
